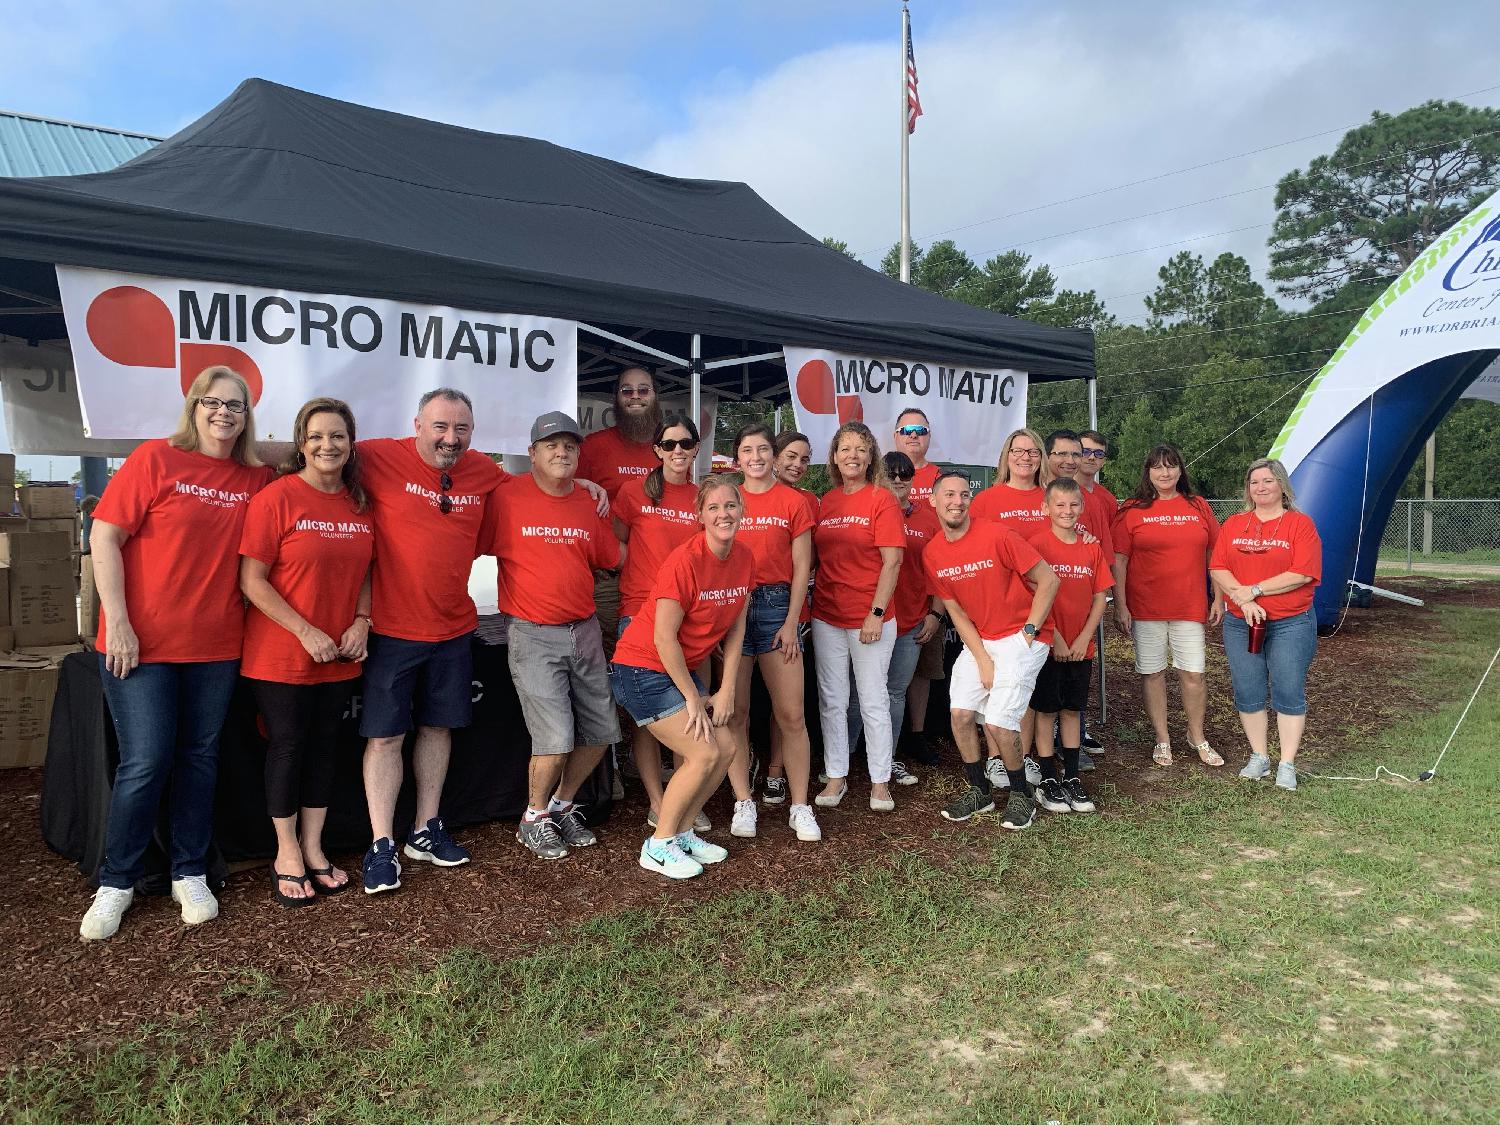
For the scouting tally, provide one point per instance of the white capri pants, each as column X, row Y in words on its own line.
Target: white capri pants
column 837, row 650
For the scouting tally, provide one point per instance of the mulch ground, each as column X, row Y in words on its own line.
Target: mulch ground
column 261, row 959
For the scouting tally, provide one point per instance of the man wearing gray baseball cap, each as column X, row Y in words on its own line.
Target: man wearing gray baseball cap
column 549, row 539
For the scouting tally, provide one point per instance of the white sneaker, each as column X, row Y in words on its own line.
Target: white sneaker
column 994, row 769
column 805, row 824
column 1033, row 773
column 743, row 823
column 197, row 901
column 670, row 860
column 103, row 916
column 695, row 847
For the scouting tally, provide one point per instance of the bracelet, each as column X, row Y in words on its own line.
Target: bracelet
column 365, row 617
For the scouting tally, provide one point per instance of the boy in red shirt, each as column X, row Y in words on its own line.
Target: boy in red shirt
column 913, row 437
column 1062, row 687
column 998, row 592
column 548, row 541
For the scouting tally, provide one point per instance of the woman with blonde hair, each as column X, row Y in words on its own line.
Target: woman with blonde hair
column 165, row 543
column 1266, row 563
column 1021, row 479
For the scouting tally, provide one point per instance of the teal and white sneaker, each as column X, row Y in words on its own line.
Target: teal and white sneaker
column 1286, row 776
column 1256, row 768
column 666, row 857
column 695, row 847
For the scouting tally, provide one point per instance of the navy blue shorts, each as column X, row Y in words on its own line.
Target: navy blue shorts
column 646, row 694
column 766, row 616
column 431, row 682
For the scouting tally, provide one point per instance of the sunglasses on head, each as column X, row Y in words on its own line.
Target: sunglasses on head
column 913, row 431
column 445, row 502
column 687, row 445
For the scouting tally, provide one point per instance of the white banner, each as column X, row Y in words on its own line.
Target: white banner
column 138, row 342
column 41, row 405
column 970, row 410
column 1487, row 386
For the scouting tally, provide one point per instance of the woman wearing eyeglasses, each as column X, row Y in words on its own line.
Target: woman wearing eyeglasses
column 1266, row 563
column 1021, row 477
column 1162, row 536
column 653, row 515
column 165, row 543
column 305, row 568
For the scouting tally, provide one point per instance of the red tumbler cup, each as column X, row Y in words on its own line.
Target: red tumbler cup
column 1258, row 636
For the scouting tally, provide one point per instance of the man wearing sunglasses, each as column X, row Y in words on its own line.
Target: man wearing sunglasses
column 913, row 437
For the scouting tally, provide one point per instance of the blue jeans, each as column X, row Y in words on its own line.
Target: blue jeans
column 1281, row 664
column 904, row 656
column 168, row 718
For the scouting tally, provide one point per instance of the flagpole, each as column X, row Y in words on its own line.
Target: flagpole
column 905, row 153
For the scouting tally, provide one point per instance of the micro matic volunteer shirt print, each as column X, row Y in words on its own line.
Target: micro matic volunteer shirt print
column 1167, row 544
column 317, row 550
column 655, row 530
column 1020, row 509
column 771, row 521
column 1254, row 551
column 610, row 461
column 549, row 547
column 184, row 512
column 922, row 484
column 913, row 598
column 964, row 570
column 711, row 593
column 1082, row 571
column 852, row 527
column 423, row 557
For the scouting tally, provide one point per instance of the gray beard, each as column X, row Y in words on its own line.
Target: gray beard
column 639, row 428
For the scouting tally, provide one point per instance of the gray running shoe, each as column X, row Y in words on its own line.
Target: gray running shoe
column 994, row 769
column 1085, row 763
column 973, row 801
column 1286, row 776
column 1256, row 768
column 573, row 829
column 1020, row 811
column 1033, row 772
column 542, row 838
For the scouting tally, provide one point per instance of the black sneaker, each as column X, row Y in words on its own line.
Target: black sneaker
column 775, row 793
column 432, row 844
column 573, row 829
column 1020, row 811
column 1091, row 744
column 972, row 802
column 381, row 868
column 915, row 747
column 1078, row 800
column 1050, row 795
column 1085, row 763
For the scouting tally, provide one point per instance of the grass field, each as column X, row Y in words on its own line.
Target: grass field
column 1227, row 953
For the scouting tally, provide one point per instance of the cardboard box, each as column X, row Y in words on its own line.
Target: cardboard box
column 4, row 596
column 27, row 687
column 88, row 601
column 43, row 603
column 68, row 527
column 47, row 501
column 14, row 523
column 7, row 638
column 18, row 547
column 7, row 482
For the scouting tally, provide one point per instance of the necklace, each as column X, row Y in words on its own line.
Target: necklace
column 1260, row 546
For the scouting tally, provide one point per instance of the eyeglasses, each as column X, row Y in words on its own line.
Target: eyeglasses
column 1065, row 453
column 233, row 405
column 445, row 502
column 1096, row 454
column 913, row 431
column 637, row 392
column 687, row 445
column 1029, row 454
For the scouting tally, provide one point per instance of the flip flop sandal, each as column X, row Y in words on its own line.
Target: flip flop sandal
column 286, row 899
column 1161, row 754
column 327, row 873
column 1208, row 755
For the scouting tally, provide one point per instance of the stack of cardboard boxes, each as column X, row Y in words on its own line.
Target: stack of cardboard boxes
column 39, row 612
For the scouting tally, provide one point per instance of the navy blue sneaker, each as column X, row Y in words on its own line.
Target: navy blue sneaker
column 382, row 870
column 432, row 844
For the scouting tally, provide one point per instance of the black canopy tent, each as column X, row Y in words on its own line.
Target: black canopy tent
column 284, row 189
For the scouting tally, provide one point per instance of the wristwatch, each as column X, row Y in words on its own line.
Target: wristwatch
column 1030, row 630
column 1256, row 591
column 876, row 611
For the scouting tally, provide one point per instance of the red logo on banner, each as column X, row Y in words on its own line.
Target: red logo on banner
column 815, row 391
column 133, row 327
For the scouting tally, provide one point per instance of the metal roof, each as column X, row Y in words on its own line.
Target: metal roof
column 40, row 146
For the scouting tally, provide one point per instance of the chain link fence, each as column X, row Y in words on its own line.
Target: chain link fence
column 1428, row 532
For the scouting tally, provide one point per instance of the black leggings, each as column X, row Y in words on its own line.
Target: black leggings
column 302, row 723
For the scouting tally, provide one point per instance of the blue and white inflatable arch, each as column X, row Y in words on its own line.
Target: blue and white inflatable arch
column 1363, row 420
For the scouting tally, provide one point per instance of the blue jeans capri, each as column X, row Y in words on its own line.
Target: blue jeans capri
column 1278, row 669
column 646, row 694
column 765, row 617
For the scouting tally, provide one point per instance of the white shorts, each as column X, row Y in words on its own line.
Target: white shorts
column 1016, row 666
column 1153, row 640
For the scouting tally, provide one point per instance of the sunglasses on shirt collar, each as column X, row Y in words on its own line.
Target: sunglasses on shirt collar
column 445, row 502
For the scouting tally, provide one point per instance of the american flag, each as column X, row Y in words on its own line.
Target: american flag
column 913, row 103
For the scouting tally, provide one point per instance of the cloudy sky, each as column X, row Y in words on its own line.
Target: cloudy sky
column 1035, row 112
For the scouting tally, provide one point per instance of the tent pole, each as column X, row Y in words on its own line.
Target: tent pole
column 696, row 398
column 644, row 349
column 1094, row 425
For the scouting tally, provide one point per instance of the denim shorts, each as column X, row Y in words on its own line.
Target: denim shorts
column 765, row 617
column 1281, row 665
column 646, row 694
column 429, row 682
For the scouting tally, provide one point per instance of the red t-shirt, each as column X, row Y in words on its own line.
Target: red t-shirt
column 548, row 548
column 712, row 593
column 1098, row 518
column 183, row 512
column 1082, row 571
column 1291, row 542
column 772, row 520
column 983, row 572
column 655, row 530
column 923, row 483
column 810, row 501
column 1168, row 545
column 318, row 549
column 851, row 530
column 913, row 590
column 609, row 460
column 423, row 557
column 1020, row 509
